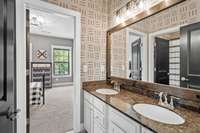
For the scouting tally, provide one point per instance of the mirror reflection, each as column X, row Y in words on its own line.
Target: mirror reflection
column 166, row 56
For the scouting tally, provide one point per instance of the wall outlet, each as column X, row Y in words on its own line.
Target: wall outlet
column 85, row 68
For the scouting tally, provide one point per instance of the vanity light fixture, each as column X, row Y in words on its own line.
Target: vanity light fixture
column 119, row 17
column 141, row 5
column 134, row 7
column 128, row 9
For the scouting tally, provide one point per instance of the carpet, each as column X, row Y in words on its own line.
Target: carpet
column 56, row 116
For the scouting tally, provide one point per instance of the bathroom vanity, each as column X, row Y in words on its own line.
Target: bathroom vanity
column 100, row 117
column 149, row 57
column 116, row 113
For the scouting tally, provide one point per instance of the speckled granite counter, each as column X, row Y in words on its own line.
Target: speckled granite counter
column 125, row 100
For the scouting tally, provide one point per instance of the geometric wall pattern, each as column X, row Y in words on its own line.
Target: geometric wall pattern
column 97, row 16
column 119, row 54
column 182, row 14
column 94, row 24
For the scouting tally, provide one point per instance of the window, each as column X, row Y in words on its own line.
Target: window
column 61, row 61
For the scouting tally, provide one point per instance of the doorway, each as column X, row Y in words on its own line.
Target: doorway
column 161, row 61
column 165, row 57
column 50, row 87
column 51, row 72
column 53, row 9
column 135, row 63
column 136, row 55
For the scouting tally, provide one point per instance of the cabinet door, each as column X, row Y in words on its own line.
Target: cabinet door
column 119, row 123
column 113, row 128
column 88, row 117
column 145, row 130
column 98, row 128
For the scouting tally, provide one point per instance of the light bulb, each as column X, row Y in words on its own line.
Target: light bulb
column 128, row 13
column 141, row 5
column 122, row 19
column 118, row 19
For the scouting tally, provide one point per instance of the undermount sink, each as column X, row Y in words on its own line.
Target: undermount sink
column 158, row 114
column 106, row 91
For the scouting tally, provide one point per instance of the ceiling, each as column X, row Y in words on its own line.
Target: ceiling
column 170, row 36
column 51, row 24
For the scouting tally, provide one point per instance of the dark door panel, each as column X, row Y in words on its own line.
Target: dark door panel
column 193, row 51
column 7, row 67
column 27, row 70
column 161, row 61
column 190, row 61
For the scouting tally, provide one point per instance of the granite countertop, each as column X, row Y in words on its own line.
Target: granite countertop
column 125, row 100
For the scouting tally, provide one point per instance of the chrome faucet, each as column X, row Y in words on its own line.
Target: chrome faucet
column 165, row 102
column 116, row 85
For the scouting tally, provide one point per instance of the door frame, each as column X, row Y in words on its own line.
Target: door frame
column 185, row 55
column 151, row 48
column 144, row 52
column 21, row 6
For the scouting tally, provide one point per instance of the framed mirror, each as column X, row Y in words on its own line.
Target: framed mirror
column 157, row 46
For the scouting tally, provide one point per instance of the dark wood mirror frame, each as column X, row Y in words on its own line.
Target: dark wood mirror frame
column 143, row 15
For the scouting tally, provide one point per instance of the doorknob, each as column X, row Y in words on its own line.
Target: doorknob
column 10, row 114
column 13, row 114
column 184, row 79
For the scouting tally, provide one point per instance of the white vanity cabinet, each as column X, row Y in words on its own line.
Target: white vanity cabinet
column 145, row 130
column 94, row 114
column 102, row 118
column 119, row 123
column 88, row 117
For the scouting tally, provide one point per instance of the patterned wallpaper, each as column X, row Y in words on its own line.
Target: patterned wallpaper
column 185, row 13
column 182, row 14
column 97, row 16
column 118, row 54
column 94, row 24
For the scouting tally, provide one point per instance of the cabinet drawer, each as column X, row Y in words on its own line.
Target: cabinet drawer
column 99, row 117
column 88, row 97
column 99, row 105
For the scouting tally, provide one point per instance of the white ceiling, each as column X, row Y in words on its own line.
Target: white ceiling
column 51, row 24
